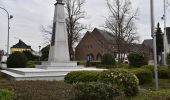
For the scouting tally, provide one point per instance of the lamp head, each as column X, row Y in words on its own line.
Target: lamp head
column 10, row 17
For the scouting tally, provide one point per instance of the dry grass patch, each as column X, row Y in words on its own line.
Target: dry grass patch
column 38, row 90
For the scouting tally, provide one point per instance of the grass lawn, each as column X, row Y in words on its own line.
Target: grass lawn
column 147, row 91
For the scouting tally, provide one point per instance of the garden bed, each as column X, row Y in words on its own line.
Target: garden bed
column 38, row 90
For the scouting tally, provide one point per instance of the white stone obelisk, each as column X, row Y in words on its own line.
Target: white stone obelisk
column 59, row 51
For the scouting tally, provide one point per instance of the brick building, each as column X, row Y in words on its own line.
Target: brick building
column 98, row 42
column 94, row 44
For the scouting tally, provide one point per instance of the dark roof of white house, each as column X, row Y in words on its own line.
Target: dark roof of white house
column 21, row 44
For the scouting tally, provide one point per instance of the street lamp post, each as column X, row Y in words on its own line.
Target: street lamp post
column 9, row 17
column 154, row 42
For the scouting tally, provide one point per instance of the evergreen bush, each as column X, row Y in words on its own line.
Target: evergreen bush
column 137, row 59
column 30, row 56
column 108, row 59
column 17, row 60
column 45, row 53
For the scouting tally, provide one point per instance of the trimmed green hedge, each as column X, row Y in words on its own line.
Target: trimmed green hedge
column 163, row 72
column 96, row 91
column 144, row 75
column 81, row 76
column 93, row 63
column 105, row 66
column 122, row 78
column 113, row 66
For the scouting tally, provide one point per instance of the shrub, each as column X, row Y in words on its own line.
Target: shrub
column 17, row 60
column 45, row 53
column 105, row 66
column 137, row 59
column 95, row 91
column 81, row 63
column 144, row 75
column 125, row 66
column 108, row 59
column 6, row 94
column 30, row 56
column 150, row 67
column 126, row 80
column 93, row 63
column 163, row 72
column 81, row 76
column 168, row 59
column 30, row 64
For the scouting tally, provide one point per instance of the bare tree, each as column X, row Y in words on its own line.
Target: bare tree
column 74, row 13
column 47, row 32
column 121, row 23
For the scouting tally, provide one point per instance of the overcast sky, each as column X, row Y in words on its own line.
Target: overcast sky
column 29, row 15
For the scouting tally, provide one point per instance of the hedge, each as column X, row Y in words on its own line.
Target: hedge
column 144, row 75
column 96, row 91
column 163, row 72
column 81, row 76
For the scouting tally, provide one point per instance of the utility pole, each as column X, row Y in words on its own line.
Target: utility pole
column 164, row 35
column 154, row 42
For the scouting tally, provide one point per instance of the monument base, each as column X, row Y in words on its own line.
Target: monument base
column 58, row 65
column 44, row 72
